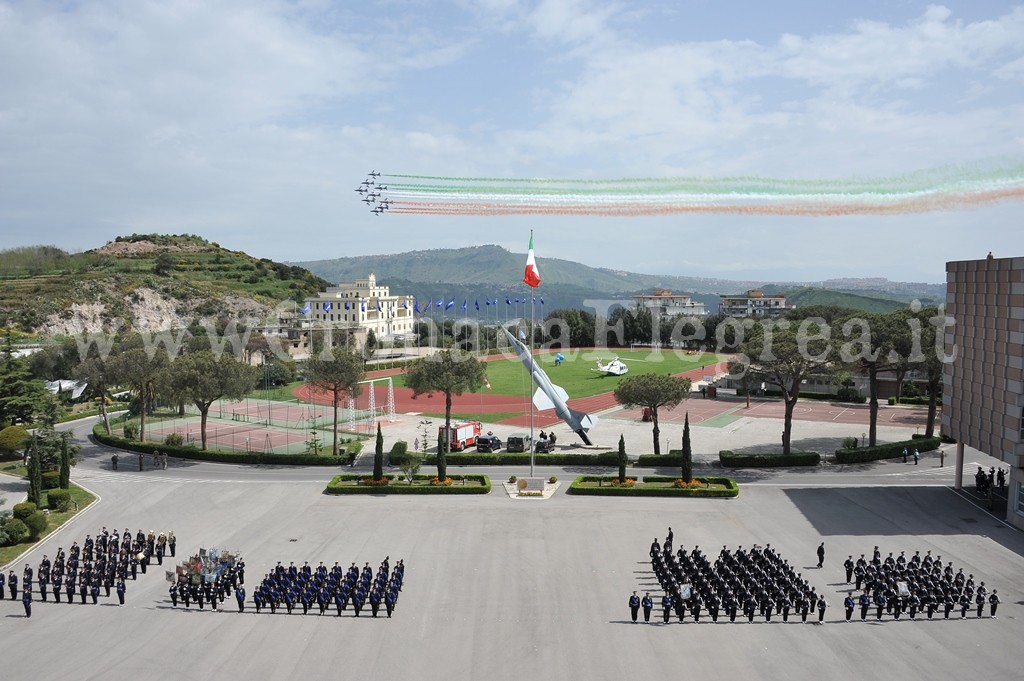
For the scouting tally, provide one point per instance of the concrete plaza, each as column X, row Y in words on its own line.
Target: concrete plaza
column 508, row 589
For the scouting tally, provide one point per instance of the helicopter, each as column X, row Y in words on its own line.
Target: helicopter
column 614, row 367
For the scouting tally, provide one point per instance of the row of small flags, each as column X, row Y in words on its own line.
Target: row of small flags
column 423, row 309
column 440, row 303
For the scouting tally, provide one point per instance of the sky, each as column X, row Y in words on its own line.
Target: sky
column 251, row 122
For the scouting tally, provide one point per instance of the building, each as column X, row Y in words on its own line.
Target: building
column 361, row 307
column 983, row 384
column 754, row 303
column 664, row 303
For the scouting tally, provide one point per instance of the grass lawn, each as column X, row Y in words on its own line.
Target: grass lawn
column 279, row 393
column 14, row 467
column 79, row 495
column 576, row 374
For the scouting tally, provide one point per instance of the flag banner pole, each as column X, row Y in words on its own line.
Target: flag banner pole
column 533, row 447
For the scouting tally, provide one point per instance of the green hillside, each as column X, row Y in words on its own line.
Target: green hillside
column 37, row 282
column 808, row 296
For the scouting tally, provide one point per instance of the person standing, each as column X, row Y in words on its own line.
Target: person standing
column 848, row 566
column 822, row 604
column 113, row 462
column 904, row 455
column 666, row 607
column 648, row 605
column 916, row 456
column 848, row 605
column 821, row 555
column 240, row 597
column 26, row 600
column 3, row 581
column 993, row 603
column 12, row 584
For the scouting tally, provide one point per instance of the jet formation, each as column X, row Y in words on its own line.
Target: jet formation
column 372, row 191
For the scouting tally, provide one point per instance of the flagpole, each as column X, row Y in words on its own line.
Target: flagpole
column 533, row 447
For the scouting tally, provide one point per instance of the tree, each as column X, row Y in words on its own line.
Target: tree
column 451, row 372
column 370, row 346
column 13, row 439
column 35, row 478
column 94, row 372
column 623, row 460
column 164, row 263
column 202, row 378
column 930, row 360
column 378, row 456
column 339, row 374
column 781, row 354
column 652, row 391
column 67, row 459
column 142, row 373
column 19, row 392
column 686, row 471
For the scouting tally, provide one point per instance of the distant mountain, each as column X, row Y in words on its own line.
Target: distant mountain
column 470, row 272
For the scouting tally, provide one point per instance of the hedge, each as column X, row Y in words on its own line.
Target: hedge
column 400, row 486
column 674, row 459
column 730, row 459
column 58, row 499
column 519, row 459
column 578, row 487
column 51, row 480
column 914, row 401
column 890, row 450
column 821, row 397
column 219, row 456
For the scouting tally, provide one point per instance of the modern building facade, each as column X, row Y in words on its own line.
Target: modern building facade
column 664, row 303
column 983, row 384
column 753, row 303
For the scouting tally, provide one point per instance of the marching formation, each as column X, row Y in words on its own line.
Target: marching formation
column 307, row 587
column 754, row 582
column 101, row 563
column 898, row 585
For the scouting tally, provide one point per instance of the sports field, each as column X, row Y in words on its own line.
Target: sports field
column 578, row 374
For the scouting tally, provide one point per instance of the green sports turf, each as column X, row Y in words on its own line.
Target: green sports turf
column 578, row 375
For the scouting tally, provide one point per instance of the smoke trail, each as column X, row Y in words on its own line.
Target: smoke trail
column 937, row 189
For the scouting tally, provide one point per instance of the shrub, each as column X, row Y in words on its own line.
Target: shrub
column 174, row 440
column 399, row 453
column 730, row 459
column 24, row 510
column 37, row 524
column 552, row 480
column 16, row 530
column 849, row 394
column 51, row 480
column 580, row 486
column 58, row 499
column 850, row 443
column 914, row 401
column 512, row 479
column 131, row 431
column 890, row 450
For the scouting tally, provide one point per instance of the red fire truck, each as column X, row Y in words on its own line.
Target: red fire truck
column 462, row 434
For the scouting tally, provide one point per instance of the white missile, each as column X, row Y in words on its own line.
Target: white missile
column 551, row 396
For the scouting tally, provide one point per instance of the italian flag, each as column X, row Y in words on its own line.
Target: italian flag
column 532, row 276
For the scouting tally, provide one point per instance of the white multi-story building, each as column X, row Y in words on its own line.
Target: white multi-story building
column 754, row 303
column 665, row 303
column 361, row 307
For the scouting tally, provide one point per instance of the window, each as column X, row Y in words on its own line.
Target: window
column 1020, row 499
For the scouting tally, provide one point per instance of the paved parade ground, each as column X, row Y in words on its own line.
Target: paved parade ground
column 510, row 589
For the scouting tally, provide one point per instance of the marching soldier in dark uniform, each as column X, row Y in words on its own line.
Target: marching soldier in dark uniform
column 3, row 581
column 646, row 603
column 240, row 597
column 993, row 599
column 120, row 588
column 848, row 605
column 980, row 600
column 26, row 600
column 12, row 584
column 56, row 584
column 849, row 565
column 666, row 604
column 634, row 606
column 821, row 555
column 822, row 604
column 865, row 603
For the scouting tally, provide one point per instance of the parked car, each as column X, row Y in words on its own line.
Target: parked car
column 544, row 446
column 518, row 442
column 488, row 443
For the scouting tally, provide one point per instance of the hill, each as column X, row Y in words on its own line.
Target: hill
column 466, row 273
column 149, row 281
